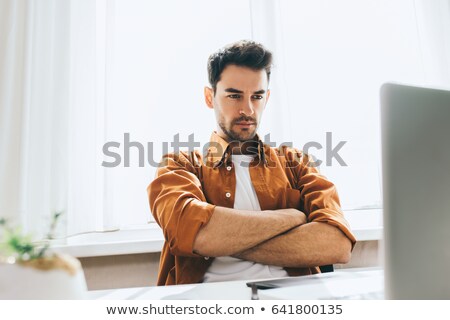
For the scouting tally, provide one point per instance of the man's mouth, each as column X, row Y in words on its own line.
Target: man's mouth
column 245, row 124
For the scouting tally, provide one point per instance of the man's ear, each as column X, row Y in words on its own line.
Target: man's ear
column 209, row 96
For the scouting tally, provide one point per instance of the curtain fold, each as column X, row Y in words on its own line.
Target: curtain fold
column 433, row 31
column 89, row 183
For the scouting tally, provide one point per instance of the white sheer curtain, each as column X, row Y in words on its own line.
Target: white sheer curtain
column 75, row 74
column 33, row 110
column 52, row 88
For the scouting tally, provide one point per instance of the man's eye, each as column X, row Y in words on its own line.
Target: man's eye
column 257, row 97
column 234, row 96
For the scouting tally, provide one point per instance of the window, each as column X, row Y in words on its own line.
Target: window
column 330, row 61
column 158, row 74
column 132, row 73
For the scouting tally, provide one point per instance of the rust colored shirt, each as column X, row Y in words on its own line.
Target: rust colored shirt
column 188, row 186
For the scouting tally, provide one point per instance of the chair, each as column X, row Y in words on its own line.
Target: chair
column 326, row 268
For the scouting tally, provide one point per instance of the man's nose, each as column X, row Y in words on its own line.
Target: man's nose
column 247, row 108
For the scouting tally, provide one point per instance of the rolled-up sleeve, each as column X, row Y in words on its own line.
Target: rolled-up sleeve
column 178, row 204
column 320, row 198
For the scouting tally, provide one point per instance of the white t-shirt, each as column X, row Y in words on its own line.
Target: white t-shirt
column 230, row 268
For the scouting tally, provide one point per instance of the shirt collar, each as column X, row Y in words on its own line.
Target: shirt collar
column 219, row 151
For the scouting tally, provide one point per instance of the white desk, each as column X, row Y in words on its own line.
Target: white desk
column 342, row 284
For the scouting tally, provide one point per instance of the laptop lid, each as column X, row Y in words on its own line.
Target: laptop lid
column 416, row 191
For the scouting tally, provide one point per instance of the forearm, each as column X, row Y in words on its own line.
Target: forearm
column 309, row 245
column 230, row 231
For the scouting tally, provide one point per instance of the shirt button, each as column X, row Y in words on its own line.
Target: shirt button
column 229, row 168
column 227, row 194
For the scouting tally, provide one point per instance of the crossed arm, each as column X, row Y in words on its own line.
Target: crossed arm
column 275, row 237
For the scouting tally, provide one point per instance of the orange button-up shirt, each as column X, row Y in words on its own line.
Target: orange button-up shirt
column 188, row 186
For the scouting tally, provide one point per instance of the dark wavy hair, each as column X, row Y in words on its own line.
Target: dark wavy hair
column 244, row 53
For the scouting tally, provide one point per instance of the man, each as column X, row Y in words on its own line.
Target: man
column 244, row 210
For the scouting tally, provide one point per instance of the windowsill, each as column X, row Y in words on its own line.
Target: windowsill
column 366, row 225
column 147, row 239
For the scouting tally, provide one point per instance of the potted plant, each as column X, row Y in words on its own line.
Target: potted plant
column 30, row 270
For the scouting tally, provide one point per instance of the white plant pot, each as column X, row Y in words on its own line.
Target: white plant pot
column 22, row 281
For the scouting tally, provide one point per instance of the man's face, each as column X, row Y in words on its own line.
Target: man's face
column 240, row 99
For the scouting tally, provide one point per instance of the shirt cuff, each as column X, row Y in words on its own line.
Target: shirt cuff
column 194, row 216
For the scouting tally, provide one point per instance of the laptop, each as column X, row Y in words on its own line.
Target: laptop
column 415, row 125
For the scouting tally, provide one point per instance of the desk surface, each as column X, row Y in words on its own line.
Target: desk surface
column 342, row 284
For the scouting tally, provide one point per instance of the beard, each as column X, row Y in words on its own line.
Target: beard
column 241, row 135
